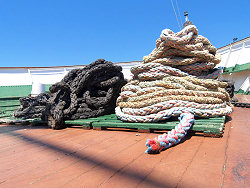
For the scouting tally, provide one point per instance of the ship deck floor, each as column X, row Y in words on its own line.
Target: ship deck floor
column 35, row 156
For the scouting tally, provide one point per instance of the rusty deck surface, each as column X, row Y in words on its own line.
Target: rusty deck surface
column 40, row 157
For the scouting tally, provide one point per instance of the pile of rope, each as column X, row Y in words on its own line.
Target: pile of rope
column 32, row 107
column 178, row 77
column 83, row 93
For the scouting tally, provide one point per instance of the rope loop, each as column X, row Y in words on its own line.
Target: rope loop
column 178, row 78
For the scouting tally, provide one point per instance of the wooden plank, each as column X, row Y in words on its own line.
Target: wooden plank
column 168, row 126
column 83, row 122
column 6, row 115
column 210, row 127
column 10, row 120
column 88, row 122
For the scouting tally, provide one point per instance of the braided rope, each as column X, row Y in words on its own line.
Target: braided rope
column 176, row 79
column 173, row 137
column 175, row 111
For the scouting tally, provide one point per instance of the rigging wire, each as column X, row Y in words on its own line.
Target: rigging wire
column 176, row 15
column 178, row 11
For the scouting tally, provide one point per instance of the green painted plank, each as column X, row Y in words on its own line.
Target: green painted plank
column 153, row 126
column 211, row 125
column 110, row 115
column 91, row 120
column 237, row 68
column 18, row 91
column 6, row 115
column 242, row 92
column 103, row 117
column 15, row 91
column 207, row 122
column 34, row 121
column 80, row 122
column 112, row 121
column 47, row 86
column 7, row 106
column 216, row 132
column 171, row 122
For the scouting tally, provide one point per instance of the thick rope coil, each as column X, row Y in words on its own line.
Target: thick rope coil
column 183, row 48
column 174, row 111
column 155, row 108
column 176, row 79
column 88, row 92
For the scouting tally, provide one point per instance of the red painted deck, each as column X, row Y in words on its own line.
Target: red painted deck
column 73, row 157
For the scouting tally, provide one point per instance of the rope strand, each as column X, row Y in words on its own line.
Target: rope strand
column 173, row 81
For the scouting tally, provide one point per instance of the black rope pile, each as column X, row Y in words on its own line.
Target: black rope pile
column 32, row 107
column 83, row 93
column 230, row 89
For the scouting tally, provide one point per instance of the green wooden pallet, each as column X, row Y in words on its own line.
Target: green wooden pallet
column 8, row 106
column 210, row 127
column 9, row 102
column 88, row 123
column 10, row 120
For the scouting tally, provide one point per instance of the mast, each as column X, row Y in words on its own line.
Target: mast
column 187, row 22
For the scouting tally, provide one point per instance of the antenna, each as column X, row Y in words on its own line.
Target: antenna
column 187, row 22
column 186, row 16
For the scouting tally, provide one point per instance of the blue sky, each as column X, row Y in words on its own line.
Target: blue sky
column 71, row 32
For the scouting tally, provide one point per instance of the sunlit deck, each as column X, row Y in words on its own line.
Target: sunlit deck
column 40, row 157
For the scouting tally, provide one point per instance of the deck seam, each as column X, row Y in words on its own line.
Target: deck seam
column 225, row 157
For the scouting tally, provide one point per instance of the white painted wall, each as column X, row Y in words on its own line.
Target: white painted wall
column 27, row 76
column 14, row 77
column 49, row 75
column 241, row 80
column 233, row 54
